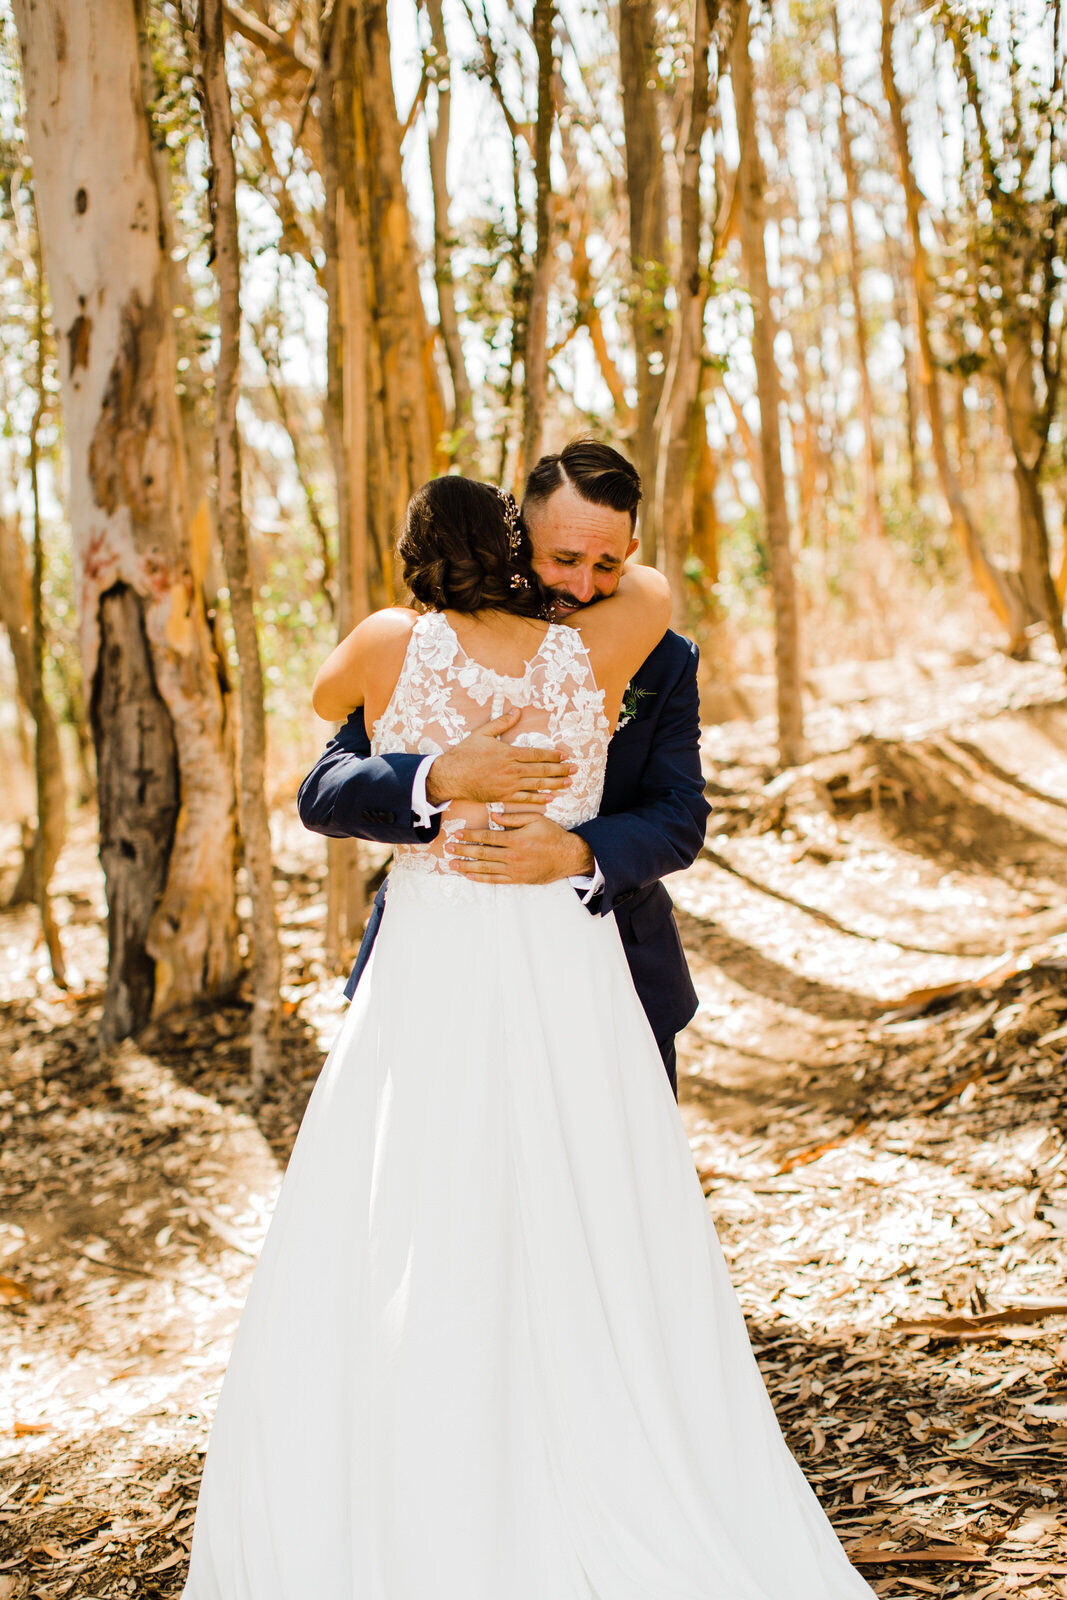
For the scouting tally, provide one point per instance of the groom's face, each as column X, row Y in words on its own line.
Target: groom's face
column 578, row 549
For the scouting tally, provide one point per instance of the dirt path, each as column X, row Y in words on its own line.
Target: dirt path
column 873, row 1153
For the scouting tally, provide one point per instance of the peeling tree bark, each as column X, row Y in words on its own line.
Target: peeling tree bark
column 138, row 787
column 255, row 817
column 153, row 680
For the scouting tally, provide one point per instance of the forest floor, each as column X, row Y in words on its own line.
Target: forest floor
column 875, row 1093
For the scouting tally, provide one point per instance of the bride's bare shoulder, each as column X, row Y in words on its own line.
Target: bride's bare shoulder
column 390, row 626
column 370, row 655
column 635, row 617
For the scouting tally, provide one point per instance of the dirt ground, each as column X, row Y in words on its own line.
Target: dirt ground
column 874, row 1089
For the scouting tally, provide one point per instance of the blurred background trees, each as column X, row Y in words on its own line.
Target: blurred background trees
column 803, row 262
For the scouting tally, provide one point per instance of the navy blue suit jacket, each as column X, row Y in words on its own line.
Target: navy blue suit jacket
column 651, row 821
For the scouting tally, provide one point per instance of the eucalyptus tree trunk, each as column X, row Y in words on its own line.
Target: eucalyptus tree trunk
column 646, row 186
column 990, row 579
column 156, row 688
column 898, row 273
column 536, row 366
column 388, row 347
column 255, row 817
column 705, row 521
column 17, row 608
column 1028, row 425
column 462, row 412
column 346, row 425
column 384, row 411
column 783, row 581
column 873, row 519
column 43, row 755
column 681, row 386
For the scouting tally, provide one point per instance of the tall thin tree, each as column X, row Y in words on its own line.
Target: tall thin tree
column 873, row 519
column 775, row 506
column 536, row 372
column 439, row 69
column 42, row 753
column 675, row 422
column 991, row 580
column 646, row 188
column 255, row 818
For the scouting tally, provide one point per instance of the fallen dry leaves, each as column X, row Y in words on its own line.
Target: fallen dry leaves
column 876, row 1102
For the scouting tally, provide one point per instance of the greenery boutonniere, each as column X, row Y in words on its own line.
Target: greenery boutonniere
column 630, row 701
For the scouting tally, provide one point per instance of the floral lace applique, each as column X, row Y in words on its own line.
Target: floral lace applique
column 442, row 695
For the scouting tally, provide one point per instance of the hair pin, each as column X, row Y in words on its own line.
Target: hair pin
column 513, row 518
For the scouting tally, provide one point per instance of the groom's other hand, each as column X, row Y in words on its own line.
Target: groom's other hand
column 530, row 849
column 483, row 768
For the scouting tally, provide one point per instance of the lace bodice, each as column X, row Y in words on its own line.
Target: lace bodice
column 442, row 695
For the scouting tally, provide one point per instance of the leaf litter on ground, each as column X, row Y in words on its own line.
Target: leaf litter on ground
column 875, row 1099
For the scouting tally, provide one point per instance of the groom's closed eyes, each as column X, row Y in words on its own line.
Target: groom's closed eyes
column 574, row 558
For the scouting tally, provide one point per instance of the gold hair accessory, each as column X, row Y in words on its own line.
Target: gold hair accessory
column 514, row 521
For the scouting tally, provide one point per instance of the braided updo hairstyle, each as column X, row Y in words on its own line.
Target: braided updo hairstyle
column 457, row 555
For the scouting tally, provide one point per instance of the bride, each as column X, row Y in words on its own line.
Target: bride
column 490, row 1350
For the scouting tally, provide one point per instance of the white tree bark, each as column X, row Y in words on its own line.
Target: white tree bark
column 155, row 684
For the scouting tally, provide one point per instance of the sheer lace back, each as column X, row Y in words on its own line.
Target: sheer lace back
column 442, row 694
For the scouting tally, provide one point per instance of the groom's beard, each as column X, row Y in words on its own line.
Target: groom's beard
column 563, row 604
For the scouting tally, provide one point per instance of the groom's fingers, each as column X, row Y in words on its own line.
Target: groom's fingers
column 542, row 769
column 540, row 753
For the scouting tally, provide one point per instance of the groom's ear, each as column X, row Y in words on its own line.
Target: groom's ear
column 633, row 545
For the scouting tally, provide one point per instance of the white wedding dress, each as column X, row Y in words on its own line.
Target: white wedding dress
column 490, row 1350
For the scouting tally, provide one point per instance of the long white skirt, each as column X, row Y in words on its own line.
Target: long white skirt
column 490, row 1350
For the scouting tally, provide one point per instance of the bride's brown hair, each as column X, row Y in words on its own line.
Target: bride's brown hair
column 464, row 547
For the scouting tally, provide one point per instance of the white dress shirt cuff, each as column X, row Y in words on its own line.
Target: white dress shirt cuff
column 421, row 808
column 589, row 886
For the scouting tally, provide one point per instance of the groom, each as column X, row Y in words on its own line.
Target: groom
column 580, row 508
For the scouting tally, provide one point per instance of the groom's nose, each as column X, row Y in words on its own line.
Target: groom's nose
column 582, row 586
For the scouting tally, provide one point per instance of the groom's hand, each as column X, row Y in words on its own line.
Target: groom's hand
column 482, row 767
column 530, row 849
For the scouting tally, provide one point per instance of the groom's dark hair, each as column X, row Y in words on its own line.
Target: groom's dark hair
column 597, row 473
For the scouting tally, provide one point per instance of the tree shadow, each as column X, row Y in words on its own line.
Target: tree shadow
column 750, row 969
column 941, row 817
column 825, row 918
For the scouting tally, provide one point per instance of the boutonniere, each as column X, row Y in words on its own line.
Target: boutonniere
column 630, row 702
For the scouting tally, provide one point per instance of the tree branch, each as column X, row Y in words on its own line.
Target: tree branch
column 288, row 57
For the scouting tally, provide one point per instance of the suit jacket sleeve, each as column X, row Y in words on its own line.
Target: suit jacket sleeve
column 665, row 831
column 351, row 794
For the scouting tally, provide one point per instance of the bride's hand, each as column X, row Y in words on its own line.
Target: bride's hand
column 483, row 768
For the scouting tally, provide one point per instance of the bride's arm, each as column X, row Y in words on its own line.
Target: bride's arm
column 364, row 667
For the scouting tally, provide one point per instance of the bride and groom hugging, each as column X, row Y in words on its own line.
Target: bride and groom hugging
column 491, row 1350
column 580, row 511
